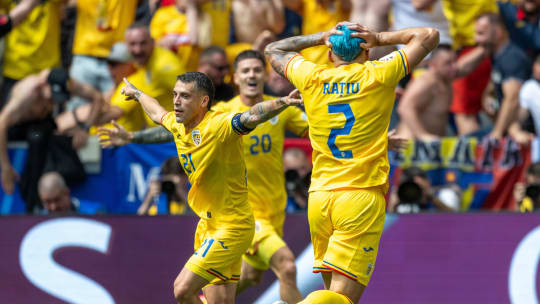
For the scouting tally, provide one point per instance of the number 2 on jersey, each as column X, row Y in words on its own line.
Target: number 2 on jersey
column 187, row 160
column 346, row 130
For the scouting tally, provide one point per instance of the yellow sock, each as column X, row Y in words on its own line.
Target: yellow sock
column 326, row 296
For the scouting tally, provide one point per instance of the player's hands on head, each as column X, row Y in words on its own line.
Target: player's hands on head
column 9, row 177
column 129, row 90
column 114, row 137
column 371, row 37
column 294, row 98
column 326, row 35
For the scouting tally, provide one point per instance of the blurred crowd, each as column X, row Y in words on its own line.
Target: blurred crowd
column 63, row 62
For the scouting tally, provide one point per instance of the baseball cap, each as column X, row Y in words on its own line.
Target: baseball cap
column 119, row 53
column 58, row 80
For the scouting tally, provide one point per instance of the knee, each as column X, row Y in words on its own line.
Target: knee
column 287, row 271
column 181, row 292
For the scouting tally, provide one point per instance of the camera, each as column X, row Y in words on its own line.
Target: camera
column 533, row 191
column 168, row 188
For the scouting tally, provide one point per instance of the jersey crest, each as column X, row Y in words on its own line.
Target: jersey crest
column 196, row 136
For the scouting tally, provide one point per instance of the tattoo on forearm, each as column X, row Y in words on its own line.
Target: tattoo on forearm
column 262, row 112
column 280, row 52
column 156, row 135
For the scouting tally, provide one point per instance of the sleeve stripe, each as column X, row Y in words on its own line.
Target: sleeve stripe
column 404, row 60
column 287, row 65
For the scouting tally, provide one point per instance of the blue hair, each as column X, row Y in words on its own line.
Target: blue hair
column 345, row 46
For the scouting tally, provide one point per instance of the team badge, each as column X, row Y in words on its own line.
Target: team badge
column 273, row 120
column 196, row 136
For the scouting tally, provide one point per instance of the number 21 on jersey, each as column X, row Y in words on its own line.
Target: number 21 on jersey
column 346, row 130
column 188, row 163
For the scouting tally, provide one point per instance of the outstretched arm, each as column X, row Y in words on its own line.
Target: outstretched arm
column 151, row 107
column 265, row 110
column 119, row 136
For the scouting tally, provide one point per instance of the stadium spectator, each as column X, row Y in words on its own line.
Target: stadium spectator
column 277, row 85
column 220, row 16
column 529, row 102
column 375, row 16
column 253, row 17
column 297, row 170
column 156, row 71
column 527, row 195
column 11, row 17
column 99, row 25
column 421, row 13
column 28, row 116
column 317, row 16
column 182, row 28
column 213, row 62
column 522, row 20
column 168, row 193
column 468, row 90
column 55, row 195
column 424, row 107
column 511, row 67
column 32, row 46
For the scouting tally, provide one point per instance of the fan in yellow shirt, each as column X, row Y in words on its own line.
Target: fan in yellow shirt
column 156, row 71
column 263, row 148
column 348, row 108
column 210, row 149
column 100, row 24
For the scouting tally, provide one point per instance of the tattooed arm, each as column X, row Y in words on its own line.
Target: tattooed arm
column 119, row 136
column 265, row 110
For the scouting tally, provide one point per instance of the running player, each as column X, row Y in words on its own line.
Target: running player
column 348, row 108
column 209, row 146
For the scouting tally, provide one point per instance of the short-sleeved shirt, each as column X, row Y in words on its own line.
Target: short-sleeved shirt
column 523, row 33
column 263, row 152
column 510, row 63
column 348, row 109
column 529, row 98
column 462, row 16
column 100, row 24
column 169, row 22
column 34, row 45
column 213, row 159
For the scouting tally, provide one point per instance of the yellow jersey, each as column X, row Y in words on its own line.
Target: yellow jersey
column 348, row 110
column 263, row 152
column 211, row 155
column 133, row 117
column 219, row 12
column 169, row 22
column 318, row 18
column 100, row 24
column 34, row 44
column 461, row 15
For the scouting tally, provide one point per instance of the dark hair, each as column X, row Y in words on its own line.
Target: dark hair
column 202, row 82
column 410, row 173
column 249, row 54
column 441, row 48
column 534, row 169
column 171, row 166
column 209, row 51
column 537, row 59
column 493, row 18
column 139, row 24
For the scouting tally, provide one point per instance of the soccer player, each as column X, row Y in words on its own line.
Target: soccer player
column 348, row 108
column 209, row 146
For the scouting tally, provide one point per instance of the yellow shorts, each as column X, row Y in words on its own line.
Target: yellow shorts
column 345, row 227
column 266, row 242
column 218, row 253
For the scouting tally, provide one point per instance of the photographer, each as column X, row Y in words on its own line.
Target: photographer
column 528, row 194
column 297, row 178
column 415, row 194
column 168, row 194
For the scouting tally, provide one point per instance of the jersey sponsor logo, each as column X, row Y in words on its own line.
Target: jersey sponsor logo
column 196, row 136
column 341, row 88
column 274, row 120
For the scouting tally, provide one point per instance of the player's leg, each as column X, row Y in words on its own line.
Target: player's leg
column 326, row 296
column 220, row 293
column 358, row 220
column 327, row 279
column 320, row 228
column 250, row 276
column 284, row 266
column 187, row 286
